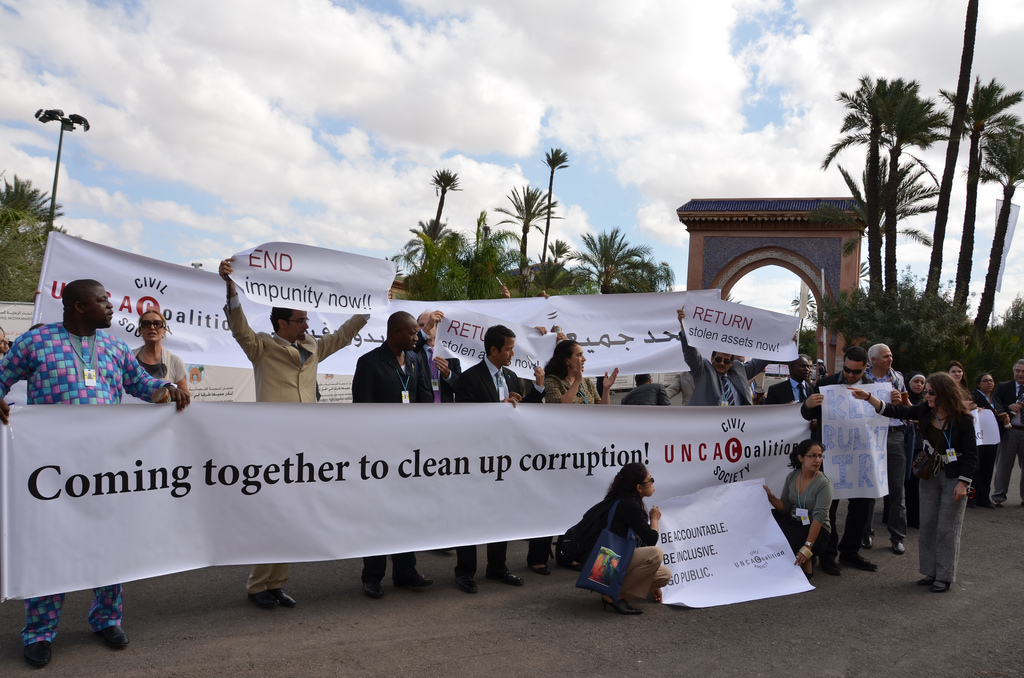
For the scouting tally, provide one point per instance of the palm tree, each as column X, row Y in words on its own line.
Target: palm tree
column 907, row 121
column 413, row 253
column 614, row 266
column 555, row 159
column 559, row 250
column 862, row 126
column 963, row 85
column 443, row 181
column 986, row 115
column 1003, row 163
column 528, row 209
column 20, row 195
column 24, row 229
column 492, row 254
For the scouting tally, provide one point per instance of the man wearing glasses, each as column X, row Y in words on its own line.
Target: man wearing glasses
column 723, row 380
column 855, row 362
column 284, row 365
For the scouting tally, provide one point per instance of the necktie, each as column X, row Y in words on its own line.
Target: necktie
column 803, row 393
column 1020, row 393
column 728, row 394
column 499, row 383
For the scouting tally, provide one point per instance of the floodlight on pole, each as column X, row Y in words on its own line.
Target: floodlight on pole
column 66, row 123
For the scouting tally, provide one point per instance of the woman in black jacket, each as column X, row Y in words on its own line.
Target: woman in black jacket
column 984, row 399
column 949, row 431
column 645, row 573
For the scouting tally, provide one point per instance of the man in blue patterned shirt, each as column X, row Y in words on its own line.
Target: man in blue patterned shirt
column 70, row 363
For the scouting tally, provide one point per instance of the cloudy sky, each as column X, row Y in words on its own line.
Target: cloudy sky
column 220, row 125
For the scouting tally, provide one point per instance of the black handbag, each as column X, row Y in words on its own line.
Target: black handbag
column 606, row 567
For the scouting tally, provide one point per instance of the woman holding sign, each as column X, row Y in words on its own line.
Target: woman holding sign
column 153, row 357
column 949, row 437
column 802, row 509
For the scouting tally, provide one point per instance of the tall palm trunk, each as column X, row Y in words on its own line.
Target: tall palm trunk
column 892, row 187
column 988, row 296
column 963, row 86
column 547, row 221
column 965, row 263
column 872, row 199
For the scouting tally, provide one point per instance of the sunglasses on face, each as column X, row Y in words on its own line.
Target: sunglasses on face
column 929, row 392
column 852, row 371
column 157, row 324
column 719, row 360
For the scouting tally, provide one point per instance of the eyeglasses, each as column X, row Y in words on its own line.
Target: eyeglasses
column 156, row 324
column 719, row 360
column 300, row 321
column 812, row 456
column 930, row 392
column 647, row 482
column 849, row 371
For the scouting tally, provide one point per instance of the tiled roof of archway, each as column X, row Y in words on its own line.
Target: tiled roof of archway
column 763, row 204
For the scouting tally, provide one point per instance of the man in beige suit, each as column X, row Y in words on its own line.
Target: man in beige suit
column 284, row 365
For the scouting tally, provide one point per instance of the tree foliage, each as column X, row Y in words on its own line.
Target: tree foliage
column 612, row 265
column 24, row 228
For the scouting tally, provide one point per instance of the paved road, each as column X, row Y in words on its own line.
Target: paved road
column 860, row 624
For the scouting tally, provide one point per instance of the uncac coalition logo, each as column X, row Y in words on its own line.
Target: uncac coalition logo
column 757, row 560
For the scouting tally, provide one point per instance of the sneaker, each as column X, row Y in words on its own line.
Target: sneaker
column 898, row 548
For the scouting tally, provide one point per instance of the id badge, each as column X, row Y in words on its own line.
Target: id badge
column 405, row 398
column 951, row 455
column 435, row 384
column 804, row 517
column 90, row 377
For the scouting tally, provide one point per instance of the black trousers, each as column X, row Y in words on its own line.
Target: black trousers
column 403, row 568
column 983, row 476
column 539, row 552
column 796, row 533
column 857, row 516
column 465, row 562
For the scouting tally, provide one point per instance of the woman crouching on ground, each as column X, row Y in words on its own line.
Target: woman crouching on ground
column 802, row 509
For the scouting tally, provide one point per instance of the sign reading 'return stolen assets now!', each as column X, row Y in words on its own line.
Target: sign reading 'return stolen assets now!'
column 313, row 278
column 727, row 327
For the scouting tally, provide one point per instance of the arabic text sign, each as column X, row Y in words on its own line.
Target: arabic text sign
column 855, row 438
column 461, row 335
column 313, row 278
column 742, row 330
column 203, row 492
column 723, row 546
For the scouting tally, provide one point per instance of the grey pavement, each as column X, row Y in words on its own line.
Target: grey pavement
column 860, row 624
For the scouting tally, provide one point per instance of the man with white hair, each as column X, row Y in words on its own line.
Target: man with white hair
column 880, row 371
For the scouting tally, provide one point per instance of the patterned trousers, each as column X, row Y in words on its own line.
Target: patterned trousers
column 43, row 614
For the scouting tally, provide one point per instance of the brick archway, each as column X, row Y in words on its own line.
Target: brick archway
column 730, row 238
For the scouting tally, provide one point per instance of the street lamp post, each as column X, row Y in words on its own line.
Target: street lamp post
column 68, row 124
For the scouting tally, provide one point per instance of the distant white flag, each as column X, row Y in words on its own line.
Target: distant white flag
column 1014, row 211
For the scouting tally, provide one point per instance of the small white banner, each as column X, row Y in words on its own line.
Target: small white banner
column 461, row 335
column 313, row 279
column 855, row 438
column 359, row 480
column 723, row 546
column 986, row 428
column 714, row 325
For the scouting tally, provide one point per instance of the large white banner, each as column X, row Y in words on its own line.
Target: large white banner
column 313, row 279
column 461, row 335
column 855, row 438
column 634, row 332
column 134, row 492
column 716, row 325
column 723, row 546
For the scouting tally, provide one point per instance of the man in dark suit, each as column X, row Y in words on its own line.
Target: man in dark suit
column 795, row 389
column 1011, row 395
column 855, row 363
column 393, row 373
column 490, row 381
column 646, row 392
column 444, row 373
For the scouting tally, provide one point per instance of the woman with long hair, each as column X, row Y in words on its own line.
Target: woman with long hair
column 955, row 369
column 984, row 399
column 646, row 573
column 153, row 357
column 564, row 381
column 949, row 434
column 802, row 509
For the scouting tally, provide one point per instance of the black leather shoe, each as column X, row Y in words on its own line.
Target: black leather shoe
column 898, row 548
column 417, row 582
column 373, row 589
column 620, row 606
column 939, row 586
column 114, row 636
column 38, row 653
column 543, row 569
column 264, row 599
column 283, row 599
column 858, row 561
column 506, row 577
column 927, row 581
column 867, row 541
column 830, row 567
column 466, row 584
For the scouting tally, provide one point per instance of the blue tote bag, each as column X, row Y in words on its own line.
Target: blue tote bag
column 609, row 559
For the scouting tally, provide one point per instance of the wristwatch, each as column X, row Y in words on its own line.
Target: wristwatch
column 808, row 544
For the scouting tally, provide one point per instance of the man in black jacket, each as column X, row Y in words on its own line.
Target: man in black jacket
column 444, row 372
column 855, row 362
column 490, row 381
column 393, row 373
column 1011, row 395
column 795, row 389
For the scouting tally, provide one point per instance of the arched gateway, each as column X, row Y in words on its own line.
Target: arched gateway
column 730, row 238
